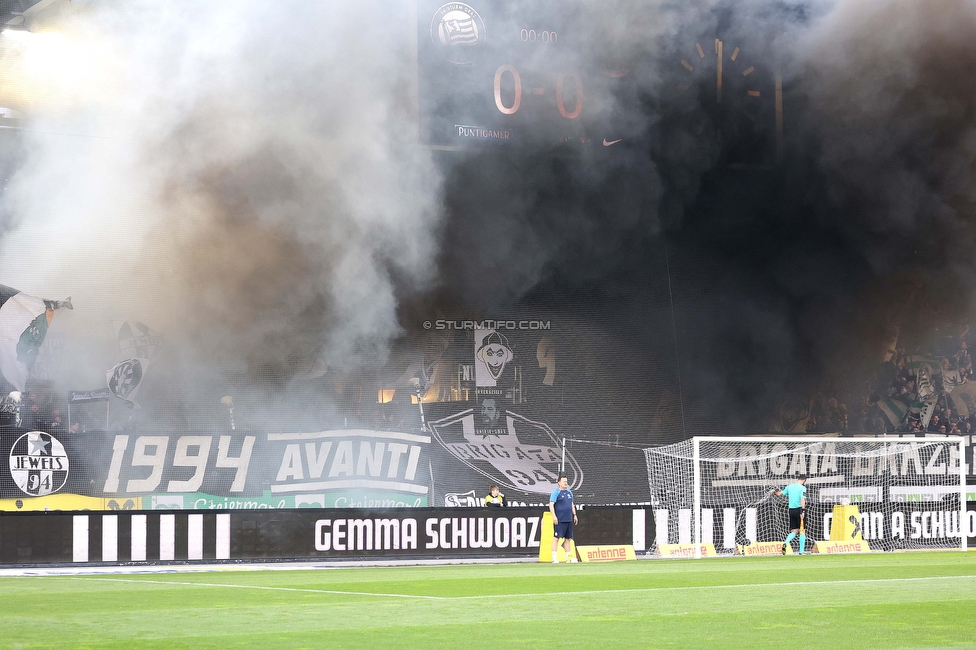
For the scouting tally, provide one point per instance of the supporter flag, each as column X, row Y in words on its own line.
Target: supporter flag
column 951, row 378
column 10, row 403
column 24, row 320
column 140, row 344
column 927, row 396
column 125, row 378
column 137, row 340
column 893, row 409
column 916, row 362
column 318, row 368
column 926, row 410
column 793, row 414
column 964, row 399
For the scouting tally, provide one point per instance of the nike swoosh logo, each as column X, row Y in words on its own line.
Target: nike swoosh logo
column 612, row 142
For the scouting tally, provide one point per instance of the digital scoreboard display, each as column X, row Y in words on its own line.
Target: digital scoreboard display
column 538, row 72
column 509, row 71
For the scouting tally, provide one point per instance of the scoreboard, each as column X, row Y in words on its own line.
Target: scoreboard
column 540, row 72
column 510, row 72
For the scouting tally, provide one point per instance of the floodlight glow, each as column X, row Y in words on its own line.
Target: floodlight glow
column 55, row 72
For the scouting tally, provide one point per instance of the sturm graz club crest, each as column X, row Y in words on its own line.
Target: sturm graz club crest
column 458, row 29
column 124, row 379
column 521, row 454
column 38, row 464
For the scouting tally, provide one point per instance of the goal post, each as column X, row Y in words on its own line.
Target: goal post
column 910, row 493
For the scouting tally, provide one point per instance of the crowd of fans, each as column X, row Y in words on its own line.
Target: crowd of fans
column 897, row 379
column 851, row 409
column 44, row 411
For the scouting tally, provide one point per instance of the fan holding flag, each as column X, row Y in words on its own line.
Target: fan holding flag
column 139, row 344
column 24, row 320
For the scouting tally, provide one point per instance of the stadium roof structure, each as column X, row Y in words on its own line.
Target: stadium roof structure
column 15, row 14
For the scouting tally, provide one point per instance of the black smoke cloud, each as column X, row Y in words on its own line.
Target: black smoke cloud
column 788, row 276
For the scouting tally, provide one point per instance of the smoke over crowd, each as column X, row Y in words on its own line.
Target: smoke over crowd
column 247, row 178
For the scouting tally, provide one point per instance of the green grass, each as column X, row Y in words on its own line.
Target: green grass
column 908, row 600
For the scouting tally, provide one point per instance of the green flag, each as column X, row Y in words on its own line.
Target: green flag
column 24, row 320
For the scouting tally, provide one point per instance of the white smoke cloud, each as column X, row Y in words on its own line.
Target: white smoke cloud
column 243, row 176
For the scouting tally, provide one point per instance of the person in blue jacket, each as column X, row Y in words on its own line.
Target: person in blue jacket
column 564, row 517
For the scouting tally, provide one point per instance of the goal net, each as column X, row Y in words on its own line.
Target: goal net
column 909, row 493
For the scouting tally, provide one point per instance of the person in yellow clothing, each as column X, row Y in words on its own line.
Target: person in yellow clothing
column 495, row 499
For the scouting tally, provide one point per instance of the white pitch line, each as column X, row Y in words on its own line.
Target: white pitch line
column 311, row 591
column 764, row 585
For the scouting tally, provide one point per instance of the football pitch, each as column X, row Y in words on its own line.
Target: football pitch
column 904, row 600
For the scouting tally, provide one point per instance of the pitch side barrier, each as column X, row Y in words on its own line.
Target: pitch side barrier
column 89, row 537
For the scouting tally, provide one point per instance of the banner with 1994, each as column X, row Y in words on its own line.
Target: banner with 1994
column 344, row 468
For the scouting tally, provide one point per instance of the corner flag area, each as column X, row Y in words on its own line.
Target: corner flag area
column 866, row 601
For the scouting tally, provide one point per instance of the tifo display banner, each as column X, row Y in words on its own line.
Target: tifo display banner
column 451, row 466
column 357, row 467
column 474, row 404
column 485, row 403
column 346, row 468
column 518, row 454
column 313, row 534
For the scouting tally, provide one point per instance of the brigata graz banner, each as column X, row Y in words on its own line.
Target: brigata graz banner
column 342, row 468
